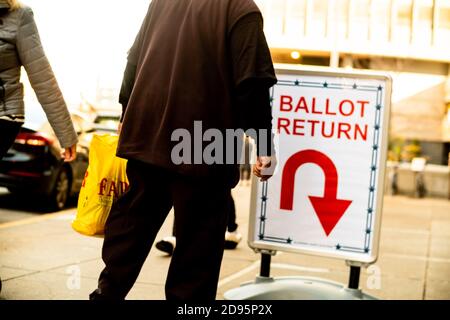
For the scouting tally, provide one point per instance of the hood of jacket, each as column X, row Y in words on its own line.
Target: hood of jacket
column 4, row 7
column 4, row 4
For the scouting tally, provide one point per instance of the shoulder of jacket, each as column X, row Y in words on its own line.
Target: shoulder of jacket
column 17, row 13
column 240, row 8
column 244, row 5
column 26, row 13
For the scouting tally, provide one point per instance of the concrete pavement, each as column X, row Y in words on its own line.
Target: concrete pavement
column 41, row 257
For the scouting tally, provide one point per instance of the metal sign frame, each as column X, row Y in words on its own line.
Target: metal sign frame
column 364, row 257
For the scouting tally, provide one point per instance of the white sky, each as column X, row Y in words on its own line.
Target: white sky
column 87, row 41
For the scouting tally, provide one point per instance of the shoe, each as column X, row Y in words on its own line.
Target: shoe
column 232, row 239
column 99, row 295
column 166, row 245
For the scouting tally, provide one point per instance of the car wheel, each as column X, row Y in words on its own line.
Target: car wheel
column 60, row 193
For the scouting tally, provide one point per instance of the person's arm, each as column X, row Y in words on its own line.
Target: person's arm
column 129, row 76
column 253, row 100
column 253, row 76
column 254, row 107
column 44, row 83
column 250, row 53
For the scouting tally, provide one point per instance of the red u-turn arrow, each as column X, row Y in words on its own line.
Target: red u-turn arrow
column 328, row 208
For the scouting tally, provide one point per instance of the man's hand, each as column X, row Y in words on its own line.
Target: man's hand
column 264, row 167
column 69, row 154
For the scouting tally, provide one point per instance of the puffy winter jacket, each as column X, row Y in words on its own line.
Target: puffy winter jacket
column 20, row 45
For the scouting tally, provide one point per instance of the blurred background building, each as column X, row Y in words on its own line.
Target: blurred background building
column 408, row 38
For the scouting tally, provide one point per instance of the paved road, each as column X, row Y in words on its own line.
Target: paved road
column 41, row 257
column 18, row 207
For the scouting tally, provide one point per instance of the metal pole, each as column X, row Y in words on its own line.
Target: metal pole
column 265, row 265
column 355, row 273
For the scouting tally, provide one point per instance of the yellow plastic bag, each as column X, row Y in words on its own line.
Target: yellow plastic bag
column 104, row 182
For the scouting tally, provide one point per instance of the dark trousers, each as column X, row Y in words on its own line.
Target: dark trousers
column 135, row 219
column 232, row 223
column 8, row 133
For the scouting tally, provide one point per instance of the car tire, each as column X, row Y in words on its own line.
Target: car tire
column 61, row 190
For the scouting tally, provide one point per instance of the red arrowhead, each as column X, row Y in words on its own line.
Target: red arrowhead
column 328, row 208
column 330, row 211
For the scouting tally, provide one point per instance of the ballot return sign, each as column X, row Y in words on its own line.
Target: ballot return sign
column 326, row 195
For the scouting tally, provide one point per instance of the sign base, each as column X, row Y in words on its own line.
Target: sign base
column 294, row 288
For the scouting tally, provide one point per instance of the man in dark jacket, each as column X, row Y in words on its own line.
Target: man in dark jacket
column 192, row 61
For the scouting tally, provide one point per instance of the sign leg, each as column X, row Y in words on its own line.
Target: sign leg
column 266, row 259
column 355, row 273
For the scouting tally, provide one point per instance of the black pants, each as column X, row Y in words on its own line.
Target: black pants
column 8, row 133
column 232, row 223
column 134, row 221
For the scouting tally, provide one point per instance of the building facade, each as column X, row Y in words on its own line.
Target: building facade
column 410, row 39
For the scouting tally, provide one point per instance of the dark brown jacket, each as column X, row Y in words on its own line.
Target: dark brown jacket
column 184, row 73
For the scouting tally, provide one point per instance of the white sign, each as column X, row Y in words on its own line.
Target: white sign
column 326, row 196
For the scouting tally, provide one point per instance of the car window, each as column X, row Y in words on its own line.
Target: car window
column 80, row 124
column 108, row 121
column 76, row 123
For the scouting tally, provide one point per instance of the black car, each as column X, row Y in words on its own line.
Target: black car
column 34, row 166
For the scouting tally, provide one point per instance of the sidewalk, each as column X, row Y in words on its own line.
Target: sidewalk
column 42, row 257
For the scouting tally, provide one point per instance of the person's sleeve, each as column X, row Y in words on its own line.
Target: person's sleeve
column 253, row 75
column 255, row 113
column 135, row 50
column 42, row 79
column 250, row 54
column 129, row 76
